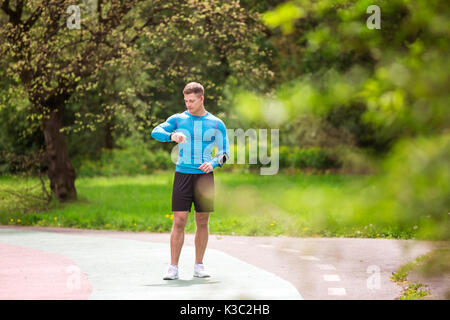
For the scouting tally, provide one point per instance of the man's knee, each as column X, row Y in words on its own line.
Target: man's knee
column 202, row 220
column 180, row 220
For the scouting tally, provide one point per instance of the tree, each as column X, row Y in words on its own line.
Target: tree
column 391, row 81
column 394, row 79
column 50, row 60
column 103, row 56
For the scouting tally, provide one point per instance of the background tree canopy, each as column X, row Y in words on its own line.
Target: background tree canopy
column 383, row 91
column 123, row 69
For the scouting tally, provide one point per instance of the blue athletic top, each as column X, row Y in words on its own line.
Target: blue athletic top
column 201, row 132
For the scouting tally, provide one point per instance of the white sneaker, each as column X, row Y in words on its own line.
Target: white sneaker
column 199, row 271
column 172, row 273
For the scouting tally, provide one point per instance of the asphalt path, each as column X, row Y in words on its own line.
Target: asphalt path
column 66, row 263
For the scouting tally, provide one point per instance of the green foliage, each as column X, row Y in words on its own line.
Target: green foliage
column 260, row 5
column 123, row 72
column 23, row 193
column 316, row 158
column 415, row 291
column 315, row 71
column 283, row 16
column 205, row 41
column 416, row 186
column 19, row 132
column 375, row 87
column 356, row 86
column 130, row 162
column 400, row 77
column 304, row 205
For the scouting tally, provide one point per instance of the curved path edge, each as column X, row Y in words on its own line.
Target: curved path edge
column 318, row 268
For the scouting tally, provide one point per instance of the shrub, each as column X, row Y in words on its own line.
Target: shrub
column 316, row 158
column 131, row 162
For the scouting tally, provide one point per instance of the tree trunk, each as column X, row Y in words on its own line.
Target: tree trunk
column 109, row 140
column 60, row 171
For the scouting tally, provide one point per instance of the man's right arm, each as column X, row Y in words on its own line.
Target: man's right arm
column 162, row 131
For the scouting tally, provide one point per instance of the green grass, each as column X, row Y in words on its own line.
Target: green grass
column 246, row 204
column 415, row 291
column 411, row 291
column 436, row 262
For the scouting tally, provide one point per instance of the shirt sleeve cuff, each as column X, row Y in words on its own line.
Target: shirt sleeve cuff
column 214, row 163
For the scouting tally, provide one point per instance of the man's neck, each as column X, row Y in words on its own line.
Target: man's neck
column 200, row 113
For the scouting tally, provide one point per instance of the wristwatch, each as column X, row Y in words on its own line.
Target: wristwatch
column 222, row 159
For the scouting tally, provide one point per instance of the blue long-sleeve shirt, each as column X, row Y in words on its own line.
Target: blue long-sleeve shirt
column 201, row 132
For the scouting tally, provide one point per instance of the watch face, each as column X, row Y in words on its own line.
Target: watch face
column 223, row 159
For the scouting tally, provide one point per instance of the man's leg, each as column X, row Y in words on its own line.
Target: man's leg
column 201, row 235
column 177, row 235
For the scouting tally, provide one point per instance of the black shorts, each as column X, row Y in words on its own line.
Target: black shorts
column 197, row 188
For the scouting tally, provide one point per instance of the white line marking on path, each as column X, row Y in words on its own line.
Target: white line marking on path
column 336, row 292
column 331, row 277
column 290, row 250
column 309, row 258
column 265, row 246
column 326, row 267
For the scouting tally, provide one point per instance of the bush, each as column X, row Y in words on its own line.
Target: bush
column 315, row 158
column 130, row 162
column 415, row 191
column 134, row 161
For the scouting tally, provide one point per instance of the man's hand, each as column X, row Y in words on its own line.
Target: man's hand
column 178, row 137
column 206, row 167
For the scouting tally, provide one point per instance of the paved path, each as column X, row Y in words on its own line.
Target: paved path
column 63, row 263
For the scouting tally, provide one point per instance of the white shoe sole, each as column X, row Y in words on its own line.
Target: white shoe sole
column 169, row 278
column 200, row 276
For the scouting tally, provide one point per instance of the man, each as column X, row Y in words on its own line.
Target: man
column 196, row 131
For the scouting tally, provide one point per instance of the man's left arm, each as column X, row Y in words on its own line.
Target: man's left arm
column 223, row 146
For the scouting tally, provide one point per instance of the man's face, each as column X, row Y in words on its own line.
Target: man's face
column 193, row 102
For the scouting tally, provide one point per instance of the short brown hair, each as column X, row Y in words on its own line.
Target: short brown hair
column 194, row 87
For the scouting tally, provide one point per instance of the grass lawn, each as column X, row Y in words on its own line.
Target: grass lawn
column 246, row 204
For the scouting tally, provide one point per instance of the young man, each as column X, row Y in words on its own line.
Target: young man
column 196, row 131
